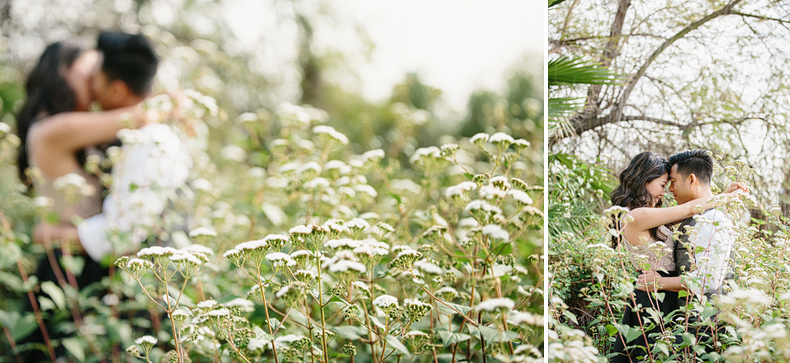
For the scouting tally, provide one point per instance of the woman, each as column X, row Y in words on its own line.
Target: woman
column 647, row 239
column 54, row 140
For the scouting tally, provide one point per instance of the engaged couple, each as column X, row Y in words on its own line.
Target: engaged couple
column 61, row 138
column 691, row 262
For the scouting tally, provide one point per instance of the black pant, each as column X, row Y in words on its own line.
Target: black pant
column 635, row 350
column 92, row 272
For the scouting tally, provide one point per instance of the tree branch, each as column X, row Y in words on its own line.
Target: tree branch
column 587, row 118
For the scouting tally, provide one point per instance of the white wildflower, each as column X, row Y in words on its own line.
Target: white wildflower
column 479, row 139
column 358, row 223
column 311, row 166
column 291, row 114
column 460, row 188
column 156, row 251
column 331, row 132
column 501, row 137
column 518, row 318
column 520, row 196
column 366, row 189
column 242, row 304
column 423, row 153
column 495, row 304
column 373, row 156
column 146, row 339
column 490, row 192
column 219, row 312
column 385, row 301
column 233, row 153
column 428, row 267
column 207, row 304
column 202, row 231
column 494, row 231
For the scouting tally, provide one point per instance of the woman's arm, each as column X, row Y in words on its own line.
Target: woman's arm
column 55, row 139
column 72, row 131
column 647, row 218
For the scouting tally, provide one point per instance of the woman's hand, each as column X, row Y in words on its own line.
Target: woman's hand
column 648, row 281
column 734, row 187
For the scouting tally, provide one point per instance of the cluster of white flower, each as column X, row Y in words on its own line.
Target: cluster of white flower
column 460, row 189
column 331, row 132
column 202, row 231
column 517, row 317
column 496, row 304
column 343, row 261
column 280, row 260
column 73, row 185
column 385, row 301
column 477, row 205
column 424, row 155
column 520, row 196
column 494, row 231
column 428, row 267
column 292, row 115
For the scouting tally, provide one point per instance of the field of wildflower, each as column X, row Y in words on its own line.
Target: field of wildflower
column 289, row 244
column 590, row 282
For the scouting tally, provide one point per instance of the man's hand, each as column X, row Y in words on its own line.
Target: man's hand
column 648, row 281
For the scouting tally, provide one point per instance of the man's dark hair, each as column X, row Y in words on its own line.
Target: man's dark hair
column 697, row 162
column 130, row 58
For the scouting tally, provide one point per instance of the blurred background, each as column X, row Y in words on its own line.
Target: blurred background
column 460, row 64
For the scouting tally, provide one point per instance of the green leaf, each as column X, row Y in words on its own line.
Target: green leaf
column 377, row 322
column 444, row 309
column 274, row 323
column 55, row 293
column 628, row 332
column 19, row 326
column 73, row 264
column 350, row 332
column 75, row 348
column 449, row 337
column 495, row 335
column 397, row 345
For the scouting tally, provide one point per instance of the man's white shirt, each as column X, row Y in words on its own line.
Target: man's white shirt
column 154, row 164
column 712, row 241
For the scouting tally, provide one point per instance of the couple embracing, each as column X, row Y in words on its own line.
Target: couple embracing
column 61, row 138
column 697, row 260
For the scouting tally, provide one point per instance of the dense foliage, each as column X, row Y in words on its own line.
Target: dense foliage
column 589, row 282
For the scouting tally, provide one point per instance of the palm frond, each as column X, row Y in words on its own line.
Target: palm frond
column 568, row 71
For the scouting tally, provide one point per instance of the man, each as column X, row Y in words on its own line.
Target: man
column 154, row 162
column 705, row 239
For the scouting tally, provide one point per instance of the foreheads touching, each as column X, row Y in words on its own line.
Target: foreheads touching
column 643, row 182
column 690, row 170
column 128, row 67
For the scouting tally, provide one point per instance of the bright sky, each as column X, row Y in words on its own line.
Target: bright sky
column 457, row 46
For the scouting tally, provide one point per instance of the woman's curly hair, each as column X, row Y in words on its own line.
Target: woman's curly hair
column 632, row 191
